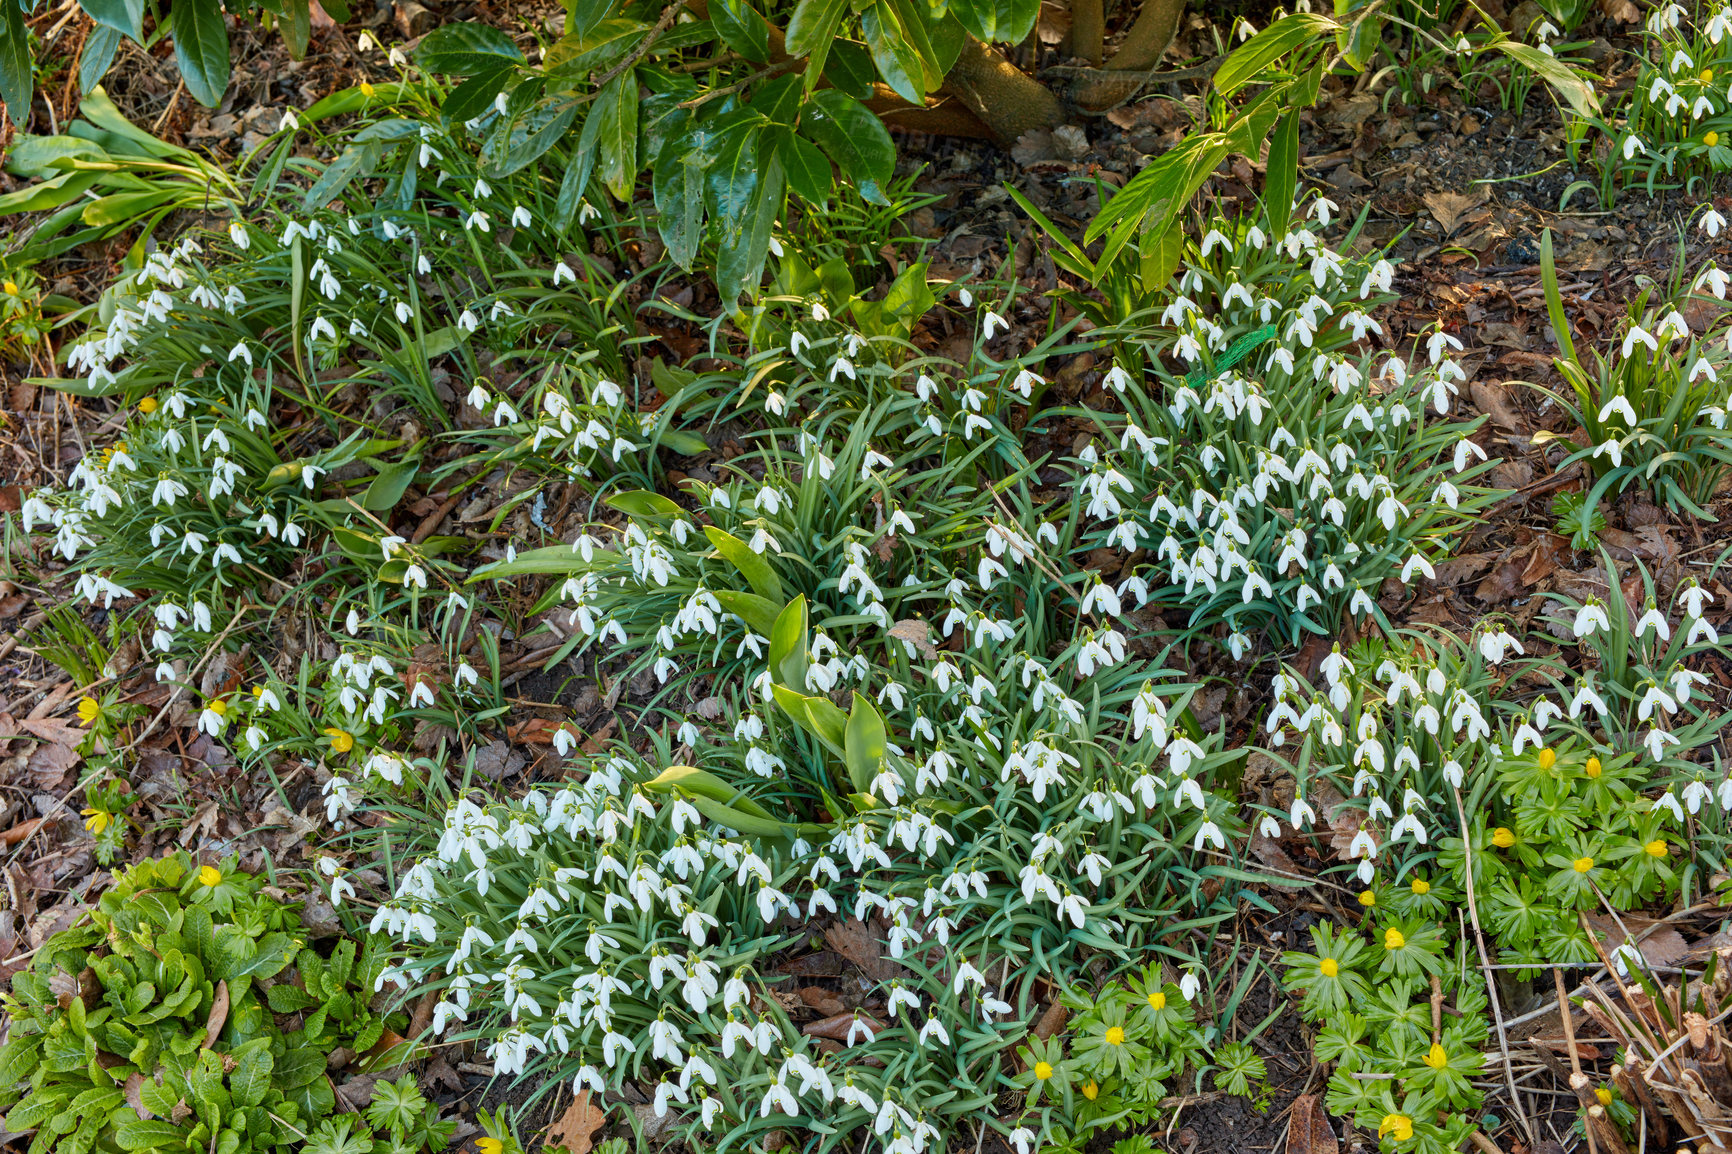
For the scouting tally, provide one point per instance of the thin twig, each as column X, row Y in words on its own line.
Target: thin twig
column 666, row 21
column 763, row 73
column 1490, row 984
column 1570, row 1042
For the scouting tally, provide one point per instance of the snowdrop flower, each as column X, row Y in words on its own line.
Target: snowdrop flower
column 1711, row 222
column 993, row 321
column 1655, row 620
column 1591, row 617
column 1639, row 335
column 1621, row 406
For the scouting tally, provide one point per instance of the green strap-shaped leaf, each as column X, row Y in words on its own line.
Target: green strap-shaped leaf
column 759, row 613
column 754, row 568
column 788, row 646
column 864, row 747
column 1283, row 170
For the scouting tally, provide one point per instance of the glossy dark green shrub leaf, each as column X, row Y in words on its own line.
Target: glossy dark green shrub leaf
column 854, row 138
column 201, row 49
column 465, row 49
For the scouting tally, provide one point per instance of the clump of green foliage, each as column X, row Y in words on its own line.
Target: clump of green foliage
column 1402, row 1067
column 1120, row 1051
column 1567, row 824
column 185, row 1014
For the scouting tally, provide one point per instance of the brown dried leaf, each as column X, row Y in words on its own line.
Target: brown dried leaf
column 1456, row 570
column 1052, row 1021
column 917, row 633
column 1449, row 208
column 532, row 731
column 130, row 1091
column 1502, row 583
column 1498, row 402
column 575, row 1131
column 1309, row 1132
column 219, row 1014
column 1660, row 945
column 354, row 1095
column 824, row 1001
column 855, row 941
column 1268, row 851
column 837, row 1026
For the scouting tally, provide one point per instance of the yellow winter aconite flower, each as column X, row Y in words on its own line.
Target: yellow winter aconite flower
column 1436, row 1058
column 1502, row 837
column 1657, row 847
column 11, row 288
column 1115, row 1036
column 89, row 709
column 1158, row 1000
column 1329, row 967
column 1710, row 138
column 218, row 706
column 1090, row 1091
column 1604, row 1095
column 148, row 405
column 1393, row 939
column 1582, row 864
column 1592, row 769
column 1707, row 76
column 96, row 820
column 490, row 1146
column 1421, row 886
column 1398, row 1125
column 1043, row 1070
column 366, row 89
column 1548, row 758
column 209, row 876
column 1367, row 898
column 341, row 740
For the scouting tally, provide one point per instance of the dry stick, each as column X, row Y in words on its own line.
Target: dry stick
column 191, row 674
column 1039, row 558
column 1570, row 1042
column 1486, row 1145
column 776, row 69
column 1490, row 984
column 31, row 624
column 666, row 21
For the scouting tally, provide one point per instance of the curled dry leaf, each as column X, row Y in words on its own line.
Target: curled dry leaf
column 219, row 1014
column 575, row 1131
column 1309, row 1132
column 917, row 633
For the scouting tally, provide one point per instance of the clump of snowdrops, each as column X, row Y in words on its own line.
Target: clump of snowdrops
column 1679, row 116
column 1281, row 481
column 239, row 460
column 1428, row 719
column 1653, row 406
column 930, row 725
